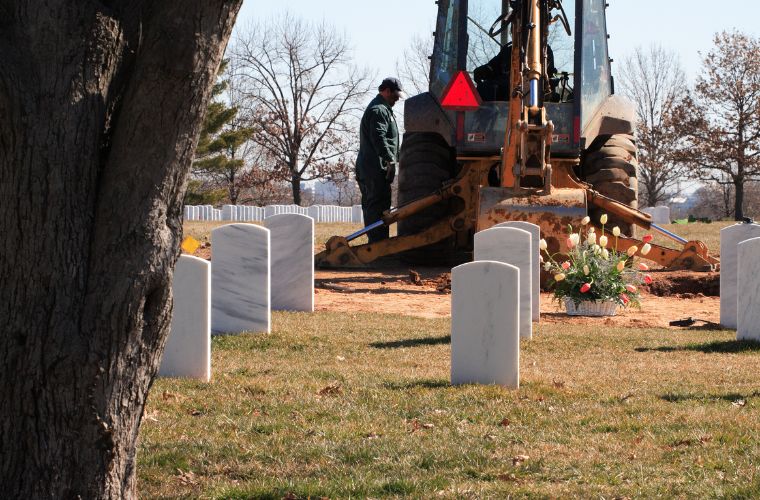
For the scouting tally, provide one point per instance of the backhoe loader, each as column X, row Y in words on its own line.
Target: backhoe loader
column 520, row 122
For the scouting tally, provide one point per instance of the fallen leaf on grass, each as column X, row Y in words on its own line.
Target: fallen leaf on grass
column 417, row 425
column 739, row 403
column 152, row 416
column 170, row 396
column 518, row 459
column 683, row 442
column 330, row 390
column 505, row 422
column 705, row 439
column 508, row 477
column 625, row 397
column 340, row 358
column 558, row 384
column 186, row 478
column 196, row 412
column 372, row 435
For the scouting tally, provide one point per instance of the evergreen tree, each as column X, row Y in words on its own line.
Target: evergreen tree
column 218, row 156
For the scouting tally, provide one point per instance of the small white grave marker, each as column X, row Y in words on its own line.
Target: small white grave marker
column 188, row 349
column 511, row 246
column 485, row 330
column 240, row 279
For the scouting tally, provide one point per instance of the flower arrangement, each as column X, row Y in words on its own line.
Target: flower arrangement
column 594, row 270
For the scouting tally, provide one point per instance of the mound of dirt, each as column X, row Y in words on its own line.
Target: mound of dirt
column 684, row 284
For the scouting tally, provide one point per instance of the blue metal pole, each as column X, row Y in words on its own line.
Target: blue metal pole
column 364, row 231
column 670, row 235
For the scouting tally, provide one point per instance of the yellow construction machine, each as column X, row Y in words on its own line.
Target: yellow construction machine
column 520, row 123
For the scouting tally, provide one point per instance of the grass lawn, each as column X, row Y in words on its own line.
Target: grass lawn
column 346, row 405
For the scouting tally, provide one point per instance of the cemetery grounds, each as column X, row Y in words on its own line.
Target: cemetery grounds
column 354, row 400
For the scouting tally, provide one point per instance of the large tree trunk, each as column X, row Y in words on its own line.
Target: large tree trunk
column 100, row 104
column 738, row 200
column 295, row 184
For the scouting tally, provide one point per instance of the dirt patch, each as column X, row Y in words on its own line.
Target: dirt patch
column 425, row 292
column 684, row 284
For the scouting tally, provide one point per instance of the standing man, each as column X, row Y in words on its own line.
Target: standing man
column 378, row 156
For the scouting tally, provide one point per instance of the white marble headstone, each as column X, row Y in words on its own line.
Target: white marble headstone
column 357, row 216
column 730, row 237
column 748, row 287
column 661, row 215
column 188, row 349
column 511, row 246
column 535, row 271
column 240, row 279
column 292, row 239
column 485, row 331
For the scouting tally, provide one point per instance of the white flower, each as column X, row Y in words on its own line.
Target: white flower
column 559, row 277
column 575, row 238
column 542, row 244
column 605, row 254
column 603, row 241
column 597, row 250
column 585, row 220
column 646, row 248
column 603, row 219
column 616, row 231
column 592, row 238
column 586, row 270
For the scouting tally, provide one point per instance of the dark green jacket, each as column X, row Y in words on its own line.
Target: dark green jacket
column 378, row 139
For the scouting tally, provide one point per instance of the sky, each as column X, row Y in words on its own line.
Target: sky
column 380, row 31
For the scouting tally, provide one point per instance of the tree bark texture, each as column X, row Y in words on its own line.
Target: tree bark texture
column 101, row 104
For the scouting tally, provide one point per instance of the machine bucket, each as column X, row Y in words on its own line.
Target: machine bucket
column 552, row 213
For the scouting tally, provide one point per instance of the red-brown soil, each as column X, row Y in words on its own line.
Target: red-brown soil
column 425, row 292
column 394, row 288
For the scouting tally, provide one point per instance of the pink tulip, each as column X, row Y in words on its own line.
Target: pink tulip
column 566, row 265
column 648, row 279
column 585, row 287
column 643, row 267
column 647, row 238
column 624, row 298
column 630, row 288
column 569, row 243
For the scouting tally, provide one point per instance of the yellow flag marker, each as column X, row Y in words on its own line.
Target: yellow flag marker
column 190, row 245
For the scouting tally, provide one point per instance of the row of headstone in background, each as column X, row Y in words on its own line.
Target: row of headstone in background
column 730, row 239
column 202, row 212
column 660, row 214
column 254, row 269
column 249, row 213
column 494, row 301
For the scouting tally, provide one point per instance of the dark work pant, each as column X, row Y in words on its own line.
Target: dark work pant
column 376, row 199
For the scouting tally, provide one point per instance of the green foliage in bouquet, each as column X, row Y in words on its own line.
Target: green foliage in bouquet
column 594, row 269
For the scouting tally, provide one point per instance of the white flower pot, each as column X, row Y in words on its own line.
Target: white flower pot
column 590, row 308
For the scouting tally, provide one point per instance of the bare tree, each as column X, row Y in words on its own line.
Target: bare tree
column 654, row 81
column 101, row 105
column 301, row 77
column 721, row 119
column 413, row 69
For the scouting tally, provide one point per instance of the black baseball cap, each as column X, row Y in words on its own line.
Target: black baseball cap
column 392, row 84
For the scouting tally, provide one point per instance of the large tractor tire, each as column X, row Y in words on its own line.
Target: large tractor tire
column 611, row 165
column 426, row 162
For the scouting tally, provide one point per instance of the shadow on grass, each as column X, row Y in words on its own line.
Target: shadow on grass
column 397, row 344
column 412, row 384
column 718, row 347
column 731, row 397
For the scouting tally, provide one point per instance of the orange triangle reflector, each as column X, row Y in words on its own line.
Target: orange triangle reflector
column 460, row 94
